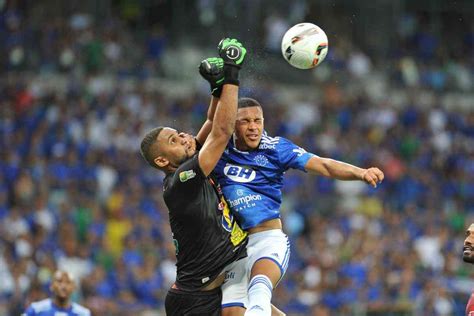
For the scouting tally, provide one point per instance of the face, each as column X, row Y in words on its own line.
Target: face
column 249, row 128
column 176, row 147
column 468, row 250
column 62, row 285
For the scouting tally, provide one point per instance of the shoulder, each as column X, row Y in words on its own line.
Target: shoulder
column 187, row 179
column 39, row 306
column 186, row 171
column 80, row 310
column 277, row 144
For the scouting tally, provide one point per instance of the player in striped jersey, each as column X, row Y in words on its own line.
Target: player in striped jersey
column 62, row 287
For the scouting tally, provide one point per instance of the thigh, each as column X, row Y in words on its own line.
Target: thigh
column 274, row 247
column 234, row 288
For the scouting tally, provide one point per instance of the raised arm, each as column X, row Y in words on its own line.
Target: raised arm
column 343, row 171
column 222, row 124
column 222, row 129
column 207, row 126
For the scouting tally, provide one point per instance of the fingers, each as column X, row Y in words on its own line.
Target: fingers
column 379, row 174
column 372, row 182
column 373, row 176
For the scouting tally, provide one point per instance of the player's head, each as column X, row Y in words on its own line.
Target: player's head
column 468, row 250
column 62, row 285
column 249, row 124
column 165, row 148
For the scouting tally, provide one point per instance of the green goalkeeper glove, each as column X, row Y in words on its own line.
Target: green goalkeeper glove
column 233, row 53
column 212, row 69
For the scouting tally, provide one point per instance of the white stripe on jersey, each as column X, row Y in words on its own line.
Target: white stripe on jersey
column 270, row 140
column 42, row 305
column 80, row 310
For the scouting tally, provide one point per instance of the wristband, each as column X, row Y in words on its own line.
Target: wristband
column 231, row 74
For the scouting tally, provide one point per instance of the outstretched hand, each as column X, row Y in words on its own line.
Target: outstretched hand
column 373, row 176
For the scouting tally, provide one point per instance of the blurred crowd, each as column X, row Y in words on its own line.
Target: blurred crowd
column 76, row 195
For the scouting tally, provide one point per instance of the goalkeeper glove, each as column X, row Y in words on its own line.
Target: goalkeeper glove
column 233, row 53
column 212, row 69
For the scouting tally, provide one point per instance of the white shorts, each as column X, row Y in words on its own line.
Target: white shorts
column 270, row 244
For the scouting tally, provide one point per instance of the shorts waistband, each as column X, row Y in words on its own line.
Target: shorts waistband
column 268, row 233
column 176, row 290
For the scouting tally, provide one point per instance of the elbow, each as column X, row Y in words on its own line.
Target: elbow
column 326, row 167
column 326, row 163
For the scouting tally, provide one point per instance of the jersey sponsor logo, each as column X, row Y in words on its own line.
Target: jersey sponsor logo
column 239, row 174
column 268, row 142
column 246, row 199
column 266, row 146
column 227, row 218
column 186, row 175
column 237, row 235
column 176, row 245
column 229, row 275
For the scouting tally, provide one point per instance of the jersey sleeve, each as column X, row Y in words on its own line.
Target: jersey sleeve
column 292, row 156
column 186, row 181
column 29, row 312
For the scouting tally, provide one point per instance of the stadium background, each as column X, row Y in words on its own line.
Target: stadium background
column 83, row 80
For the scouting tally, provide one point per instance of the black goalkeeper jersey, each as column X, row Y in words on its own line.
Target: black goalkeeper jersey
column 205, row 234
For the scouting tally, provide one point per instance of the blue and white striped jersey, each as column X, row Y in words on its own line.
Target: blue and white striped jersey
column 46, row 307
column 252, row 181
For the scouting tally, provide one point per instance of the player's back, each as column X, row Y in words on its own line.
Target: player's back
column 252, row 180
column 46, row 307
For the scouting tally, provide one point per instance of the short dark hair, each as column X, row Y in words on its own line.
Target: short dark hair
column 247, row 103
column 149, row 146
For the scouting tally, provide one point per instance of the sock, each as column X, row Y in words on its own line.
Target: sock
column 259, row 296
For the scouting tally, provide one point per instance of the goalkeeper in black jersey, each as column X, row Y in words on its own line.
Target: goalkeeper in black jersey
column 206, row 237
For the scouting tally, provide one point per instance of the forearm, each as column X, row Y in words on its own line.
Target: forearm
column 224, row 117
column 211, row 111
column 207, row 126
column 334, row 169
column 222, row 129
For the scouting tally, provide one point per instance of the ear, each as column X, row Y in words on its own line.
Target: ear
column 161, row 161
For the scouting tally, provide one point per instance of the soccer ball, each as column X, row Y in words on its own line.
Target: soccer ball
column 304, row 46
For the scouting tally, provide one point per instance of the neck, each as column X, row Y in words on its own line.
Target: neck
column 63, row 303
column 241, row 145
column 171, row 168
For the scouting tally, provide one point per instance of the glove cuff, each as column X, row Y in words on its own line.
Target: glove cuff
column 216, row 91
column 231, row 74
